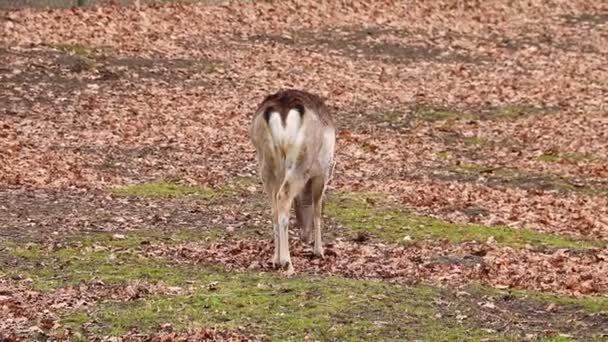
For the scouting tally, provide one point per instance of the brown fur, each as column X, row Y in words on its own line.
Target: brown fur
column 285, row 100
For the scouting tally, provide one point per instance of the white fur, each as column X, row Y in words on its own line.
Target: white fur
column 329, row 145
column 288, row 138
column 289, row 134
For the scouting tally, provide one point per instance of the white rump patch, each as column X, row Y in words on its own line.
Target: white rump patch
column 288, row 138
column 288, row 135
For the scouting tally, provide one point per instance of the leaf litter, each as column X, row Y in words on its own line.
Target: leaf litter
column 98, row 97
column 560, row 271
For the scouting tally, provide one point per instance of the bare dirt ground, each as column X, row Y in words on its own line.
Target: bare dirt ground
column 471, row 184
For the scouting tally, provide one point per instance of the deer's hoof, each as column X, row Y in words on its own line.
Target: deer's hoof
column 318, row 252
column 306, row 238
column 275, row 261
column 290, row 271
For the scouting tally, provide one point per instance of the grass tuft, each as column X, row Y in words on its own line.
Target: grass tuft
column 295, row 308
column 163, row 189
column 73, row 49
column 321, row 308
column 590, row 304
column 360, row 214
column 436, row 114
column 473, row 141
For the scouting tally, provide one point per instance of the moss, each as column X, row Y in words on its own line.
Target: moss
column 359, row 214
column 163, row 189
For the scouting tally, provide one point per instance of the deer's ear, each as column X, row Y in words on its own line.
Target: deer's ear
column 299, row 108
column 267, row 113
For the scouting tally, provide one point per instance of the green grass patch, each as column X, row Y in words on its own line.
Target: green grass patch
column 237, row 185
column 549, row 157
column 136, row 239
column 473, row 168
column 594, row 304
column 73, row 49
column 318, row 308
column 26, row 251
column 390, row 117
column 509, row 112
column 571, row 157
column 111, row 267
column 443, row 155
column 163, row 189
column 512, row 111
column 589, row 304
column 111, row 258
column 367, row 213
column 321, row 308
column 440, row 114
column 473, row 141
column 283, row 308
column 580, row 156
column 522, row 179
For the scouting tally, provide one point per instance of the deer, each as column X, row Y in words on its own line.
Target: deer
column 294, row 137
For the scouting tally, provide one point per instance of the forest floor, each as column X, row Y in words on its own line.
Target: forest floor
column 469, row 200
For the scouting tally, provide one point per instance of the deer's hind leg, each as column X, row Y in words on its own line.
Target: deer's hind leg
column 290, row 188
column 318, row 190
column 270, row 188
column 304, row 209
